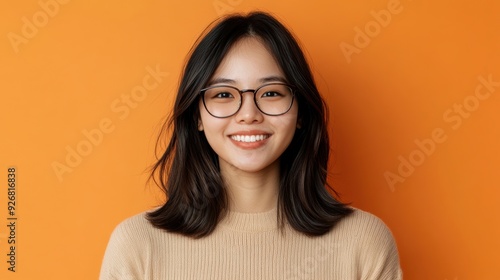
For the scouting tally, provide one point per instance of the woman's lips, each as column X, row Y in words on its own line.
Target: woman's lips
column 249, row 139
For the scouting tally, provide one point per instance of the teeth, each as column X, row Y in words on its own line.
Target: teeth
column 249, row 138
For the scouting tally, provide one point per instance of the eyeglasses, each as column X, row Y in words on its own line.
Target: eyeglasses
column 272, row 99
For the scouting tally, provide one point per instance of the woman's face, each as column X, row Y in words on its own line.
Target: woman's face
column 248, row 141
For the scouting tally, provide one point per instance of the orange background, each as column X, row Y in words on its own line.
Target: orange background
column 70, row 72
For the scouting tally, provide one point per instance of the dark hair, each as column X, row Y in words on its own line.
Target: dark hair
column 188, row 171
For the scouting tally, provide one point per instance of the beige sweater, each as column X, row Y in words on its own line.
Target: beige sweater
column 250, row 246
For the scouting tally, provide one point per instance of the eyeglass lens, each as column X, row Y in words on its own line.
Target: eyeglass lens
column 225, row 101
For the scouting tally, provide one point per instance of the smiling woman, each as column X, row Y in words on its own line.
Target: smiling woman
column 245, row 175
column 269, row 115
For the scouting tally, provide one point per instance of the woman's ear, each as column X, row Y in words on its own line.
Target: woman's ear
column 200, row 125
column 299, row 123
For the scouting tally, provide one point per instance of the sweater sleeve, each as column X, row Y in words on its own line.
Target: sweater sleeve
column 125, row 256
column 378, row 253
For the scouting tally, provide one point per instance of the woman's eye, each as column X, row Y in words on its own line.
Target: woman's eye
column 271, row 94
column 223, row 95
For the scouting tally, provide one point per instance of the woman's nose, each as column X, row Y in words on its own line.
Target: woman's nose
column 249, row 113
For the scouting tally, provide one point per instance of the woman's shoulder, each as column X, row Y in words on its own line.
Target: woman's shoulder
column 138, row 220
column 365, row 232
column 135, row 229
column 371, row 240
column 361, row 222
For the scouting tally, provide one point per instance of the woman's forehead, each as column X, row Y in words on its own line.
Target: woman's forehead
column 248, row 62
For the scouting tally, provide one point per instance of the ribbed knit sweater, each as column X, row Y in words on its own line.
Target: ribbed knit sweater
column 250, row 246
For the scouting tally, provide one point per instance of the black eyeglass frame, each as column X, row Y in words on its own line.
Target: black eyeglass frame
column 254, row 91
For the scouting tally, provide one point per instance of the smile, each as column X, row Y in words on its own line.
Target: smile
column 249, row 138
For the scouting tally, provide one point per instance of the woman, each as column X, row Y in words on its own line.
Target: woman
column 245, row 174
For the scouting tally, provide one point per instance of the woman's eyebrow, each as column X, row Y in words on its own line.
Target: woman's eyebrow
column 262, row 80
column 221, row 81
column 273, row 79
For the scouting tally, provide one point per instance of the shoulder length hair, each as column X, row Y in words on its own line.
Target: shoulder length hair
column 188, row 170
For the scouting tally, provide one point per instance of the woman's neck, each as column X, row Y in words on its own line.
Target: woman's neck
column 252, row 192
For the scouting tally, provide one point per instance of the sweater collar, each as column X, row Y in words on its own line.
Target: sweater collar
column 250, row 222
